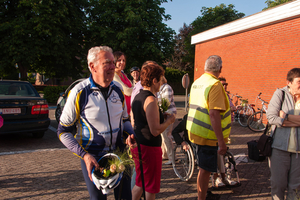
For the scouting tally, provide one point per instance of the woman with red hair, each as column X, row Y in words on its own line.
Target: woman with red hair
column 149, row 123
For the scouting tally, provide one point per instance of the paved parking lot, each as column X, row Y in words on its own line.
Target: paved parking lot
column 46, row 170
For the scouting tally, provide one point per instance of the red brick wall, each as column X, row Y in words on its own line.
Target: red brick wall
column 255, row 61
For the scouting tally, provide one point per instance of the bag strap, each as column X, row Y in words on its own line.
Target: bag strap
column 267, row 127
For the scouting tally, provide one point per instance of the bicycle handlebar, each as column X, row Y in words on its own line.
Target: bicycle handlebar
column 261, row 99
column 235, row 95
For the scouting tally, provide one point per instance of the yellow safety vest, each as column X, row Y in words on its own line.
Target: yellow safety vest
column 198, row 121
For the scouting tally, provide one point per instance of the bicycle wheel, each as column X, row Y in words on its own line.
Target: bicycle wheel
column 244, row 114
column 184, row 162
column 256, row 121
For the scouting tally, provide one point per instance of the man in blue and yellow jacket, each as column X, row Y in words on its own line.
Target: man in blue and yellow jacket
column 209, row 121
column 96, row 109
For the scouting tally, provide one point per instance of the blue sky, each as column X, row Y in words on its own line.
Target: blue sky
column 186, row 11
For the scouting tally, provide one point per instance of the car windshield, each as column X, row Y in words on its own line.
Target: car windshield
column 16, row 89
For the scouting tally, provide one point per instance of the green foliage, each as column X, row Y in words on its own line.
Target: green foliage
column 164, row 105
column 134, row 27
column 174, row 75
column 42, row 36
column 178, row 60
column 9, row 74
column 210, row 18
column 54, row 36
column 31, row 78
column 273, row 3
column 51, row 93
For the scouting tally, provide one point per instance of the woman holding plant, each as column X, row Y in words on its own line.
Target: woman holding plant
column 149, row 123
column 166, row 101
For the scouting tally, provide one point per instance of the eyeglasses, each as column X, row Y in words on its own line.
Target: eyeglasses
column 224, row 84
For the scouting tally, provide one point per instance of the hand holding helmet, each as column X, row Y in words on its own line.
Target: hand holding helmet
column 90, row 162
column 109, row 173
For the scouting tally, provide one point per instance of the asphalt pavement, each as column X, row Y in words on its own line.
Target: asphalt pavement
column 45, row 169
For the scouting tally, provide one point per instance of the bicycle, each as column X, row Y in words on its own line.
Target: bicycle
column 236, row 112
column 245, row 112
column 256, row 121
column 184, row 163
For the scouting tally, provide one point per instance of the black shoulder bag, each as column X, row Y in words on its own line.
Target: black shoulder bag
column 265, row 141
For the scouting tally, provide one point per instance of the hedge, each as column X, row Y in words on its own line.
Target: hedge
column 51, row 93
column 174, row 75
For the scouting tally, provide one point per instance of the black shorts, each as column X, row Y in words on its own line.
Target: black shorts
column 207, row 157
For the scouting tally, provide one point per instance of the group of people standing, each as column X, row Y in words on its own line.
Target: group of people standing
column 107, row 103
column 99, row 109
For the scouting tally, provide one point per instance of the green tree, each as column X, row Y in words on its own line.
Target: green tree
column 177, row 60
column 273, row 3
column 210, row 18
column 134, row 27
column 45, row 36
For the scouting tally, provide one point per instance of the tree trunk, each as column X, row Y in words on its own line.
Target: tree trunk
column 23, row 71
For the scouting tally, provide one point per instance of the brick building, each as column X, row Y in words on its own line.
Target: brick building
column 257, row 51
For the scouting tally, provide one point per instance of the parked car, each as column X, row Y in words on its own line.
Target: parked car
column 22, row 109
column 63, row 99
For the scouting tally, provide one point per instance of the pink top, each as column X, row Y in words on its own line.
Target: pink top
column 127, row 82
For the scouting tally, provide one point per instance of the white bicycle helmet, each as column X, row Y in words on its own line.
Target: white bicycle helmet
column 106, row 184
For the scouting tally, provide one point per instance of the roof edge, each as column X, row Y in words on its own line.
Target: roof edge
column 279, row 13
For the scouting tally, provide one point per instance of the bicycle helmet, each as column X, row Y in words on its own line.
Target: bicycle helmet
column 109, row 183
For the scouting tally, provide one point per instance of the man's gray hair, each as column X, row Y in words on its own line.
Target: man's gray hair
column 213, row 63
column 92, row 56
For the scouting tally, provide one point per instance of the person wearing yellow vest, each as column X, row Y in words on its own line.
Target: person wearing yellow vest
column 209, row 121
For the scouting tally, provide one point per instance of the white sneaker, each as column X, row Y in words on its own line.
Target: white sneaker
column 227, row 181
column 168, row 163
column 219, row 183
